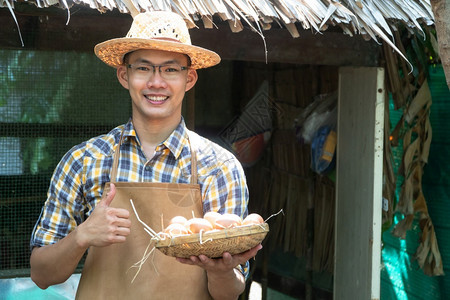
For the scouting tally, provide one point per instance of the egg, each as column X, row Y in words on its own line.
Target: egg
column 195, row 225
column 253, row 219
column 176, row 229
column 178, row 220
column 228, row 221
column 212, row 216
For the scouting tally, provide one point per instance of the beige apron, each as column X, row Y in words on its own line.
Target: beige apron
column 107, row 272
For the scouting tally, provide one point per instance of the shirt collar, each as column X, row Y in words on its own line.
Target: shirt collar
column 175, row 141
column 129, row 130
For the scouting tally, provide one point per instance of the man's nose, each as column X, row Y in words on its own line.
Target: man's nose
column 155, row 78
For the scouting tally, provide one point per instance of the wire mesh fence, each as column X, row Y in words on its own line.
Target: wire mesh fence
column 49, row 101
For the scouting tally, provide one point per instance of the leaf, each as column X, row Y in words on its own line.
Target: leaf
column 331, row 9
column 422, row 98
column 403, row 226
column 420, row 205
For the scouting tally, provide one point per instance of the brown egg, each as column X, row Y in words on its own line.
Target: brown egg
column 212, row 216
column 253, row 219
column 176, row 229
column 178, row 220
column 228, row 221
column 195, row 225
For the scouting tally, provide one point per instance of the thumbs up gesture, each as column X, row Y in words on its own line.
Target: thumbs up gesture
column 106, row 225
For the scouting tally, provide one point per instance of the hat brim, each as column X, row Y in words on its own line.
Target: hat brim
column 112, row 51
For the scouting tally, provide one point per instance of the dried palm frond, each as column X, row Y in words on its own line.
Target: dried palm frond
column 427, row 254
column 412, row 201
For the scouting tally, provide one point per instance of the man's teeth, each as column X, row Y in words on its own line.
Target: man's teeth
column 156, row 98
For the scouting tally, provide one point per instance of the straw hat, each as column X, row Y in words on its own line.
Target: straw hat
column 157, row 30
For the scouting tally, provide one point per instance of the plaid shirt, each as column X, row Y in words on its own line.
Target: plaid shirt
column 78, row 180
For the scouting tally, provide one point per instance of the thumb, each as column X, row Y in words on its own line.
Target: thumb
column 110, row 193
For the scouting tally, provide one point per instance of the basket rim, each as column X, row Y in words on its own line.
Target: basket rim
column 243, row 230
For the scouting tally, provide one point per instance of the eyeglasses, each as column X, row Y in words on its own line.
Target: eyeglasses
column 146, row 71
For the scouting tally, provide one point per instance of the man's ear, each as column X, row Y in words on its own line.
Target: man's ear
column 191, row 79
column 122, row 75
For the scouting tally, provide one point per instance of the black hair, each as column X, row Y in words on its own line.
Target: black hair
column 127, row 55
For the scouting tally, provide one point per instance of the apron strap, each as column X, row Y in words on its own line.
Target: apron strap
column 115, row 165
column 193, row 163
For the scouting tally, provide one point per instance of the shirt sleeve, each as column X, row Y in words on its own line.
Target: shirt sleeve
column 226, row 190
column 63, row 209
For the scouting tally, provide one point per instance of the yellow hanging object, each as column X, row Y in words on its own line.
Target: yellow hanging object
column 329, row 146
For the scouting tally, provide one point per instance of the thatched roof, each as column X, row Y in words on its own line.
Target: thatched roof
column 374, row 19
column 368, row 17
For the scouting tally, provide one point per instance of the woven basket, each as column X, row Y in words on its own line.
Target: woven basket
column 214, row 243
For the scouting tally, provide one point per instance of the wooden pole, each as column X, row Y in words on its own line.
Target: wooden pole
column 310, row 238
column 441, row 11
column 264, row 275
column 359, row 183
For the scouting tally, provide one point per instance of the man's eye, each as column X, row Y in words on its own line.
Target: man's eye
column 171, row 69
column 143, row 68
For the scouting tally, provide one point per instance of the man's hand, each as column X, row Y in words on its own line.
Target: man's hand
column 224, row 280
column 106, row 225
column 221, row 265
column 54, row 263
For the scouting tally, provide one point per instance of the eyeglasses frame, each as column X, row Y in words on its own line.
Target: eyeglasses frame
column 183, row 68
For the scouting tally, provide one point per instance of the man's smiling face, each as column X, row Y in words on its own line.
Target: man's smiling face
column 153, row 96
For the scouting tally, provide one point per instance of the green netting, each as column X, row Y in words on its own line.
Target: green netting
column 401, row 277
column 49, row 101
column 436, row 180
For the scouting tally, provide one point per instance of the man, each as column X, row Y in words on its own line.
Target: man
column 156, row 162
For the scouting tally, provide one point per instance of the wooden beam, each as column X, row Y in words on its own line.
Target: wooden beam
column 34, row 130
column 359, row 177
column 46, row 29
column 329, row 48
